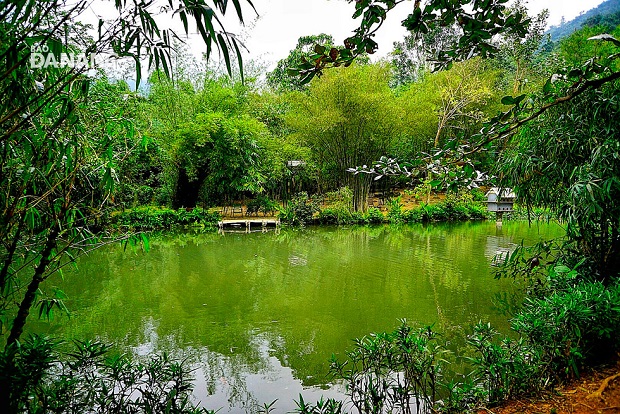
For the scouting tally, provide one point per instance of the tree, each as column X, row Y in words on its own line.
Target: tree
column 282, row 146
column 518, row 53
column 214, row 144
column 219, row 156
column 348, row 118
column 57, row 168
column 463, row 92
column 567, row 159
column 414, row 56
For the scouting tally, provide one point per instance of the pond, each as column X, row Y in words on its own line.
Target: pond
column 262, row 313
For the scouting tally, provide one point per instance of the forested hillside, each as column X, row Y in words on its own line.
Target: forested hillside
column 607, row 13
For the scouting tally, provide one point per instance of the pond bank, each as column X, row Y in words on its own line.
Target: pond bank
column 579, row 396
column 301, row 212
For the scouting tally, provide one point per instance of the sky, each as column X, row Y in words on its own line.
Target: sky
column 270, row 35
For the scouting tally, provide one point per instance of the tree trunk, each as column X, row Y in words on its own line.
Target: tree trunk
column 186, row 194
column 4, row 273
column 24, row 307
column 361, row 188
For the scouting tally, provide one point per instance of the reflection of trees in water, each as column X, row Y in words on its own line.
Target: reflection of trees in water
column 224, row 375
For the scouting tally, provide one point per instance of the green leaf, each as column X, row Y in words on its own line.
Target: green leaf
column 319, row 49
column 225, row 53
column 548, row 87
column 508, row 100
column 145, row 242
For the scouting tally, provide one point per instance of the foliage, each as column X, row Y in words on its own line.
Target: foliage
column 519, row 55
column 395, row 212
column 412, row 57
column 448, row 210
column 464, row 91
column 453, row 208
column 606, row 21
column 56, row 144
column 37, row 377
column 531, row 213
column 215, row 148
column 337, row 207
column 299, row 210
column 329, row 406
column 578, row 48
column 504, row 368
column 218, row 154
column 446, row 106
column 263, row 205
column 279, row 79
column 348, row 118
column 56, row 174
column 572, row 324
column 150, row 218
column 572, row 168
column 374, row 216
column 399, row 370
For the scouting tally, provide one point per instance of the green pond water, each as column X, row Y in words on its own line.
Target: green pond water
column 261, row 313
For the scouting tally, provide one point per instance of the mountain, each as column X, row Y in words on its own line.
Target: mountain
column 607, row 13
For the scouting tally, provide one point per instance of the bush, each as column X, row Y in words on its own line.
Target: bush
column 533, row 213
column 503, row 367
column 448, row 210
column 335, row 216
column 572, row 326
column 395, row 210
column 575, row 321
column 374, row 216
column 150, row 218
column 262, row 204
column 338, row 208
column 390, row 371
column 329, row 406
column 35, row 377
column 299, row 210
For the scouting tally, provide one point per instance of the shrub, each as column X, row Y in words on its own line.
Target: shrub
column 503, row 367
column 157, row 219
column 335, row 216
column 299, row 210
column 395, row 210
column 389, row 370
column 357, row 217
column 451, row 209
column 262, row 204
column 374, row 215
column 572, row 326
column 574, row 322
column 36, row 377
column 329, row 406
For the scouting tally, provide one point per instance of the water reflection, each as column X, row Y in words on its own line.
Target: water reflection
column 261, row 313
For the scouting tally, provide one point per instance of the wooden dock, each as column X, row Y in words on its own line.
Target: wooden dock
column 248, row 223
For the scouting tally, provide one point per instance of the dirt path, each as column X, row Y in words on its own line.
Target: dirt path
column 597, row 391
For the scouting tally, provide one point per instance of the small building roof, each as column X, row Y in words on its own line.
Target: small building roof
column 505, row 192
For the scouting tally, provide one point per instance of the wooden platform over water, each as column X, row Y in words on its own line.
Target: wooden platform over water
column 249, row 223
